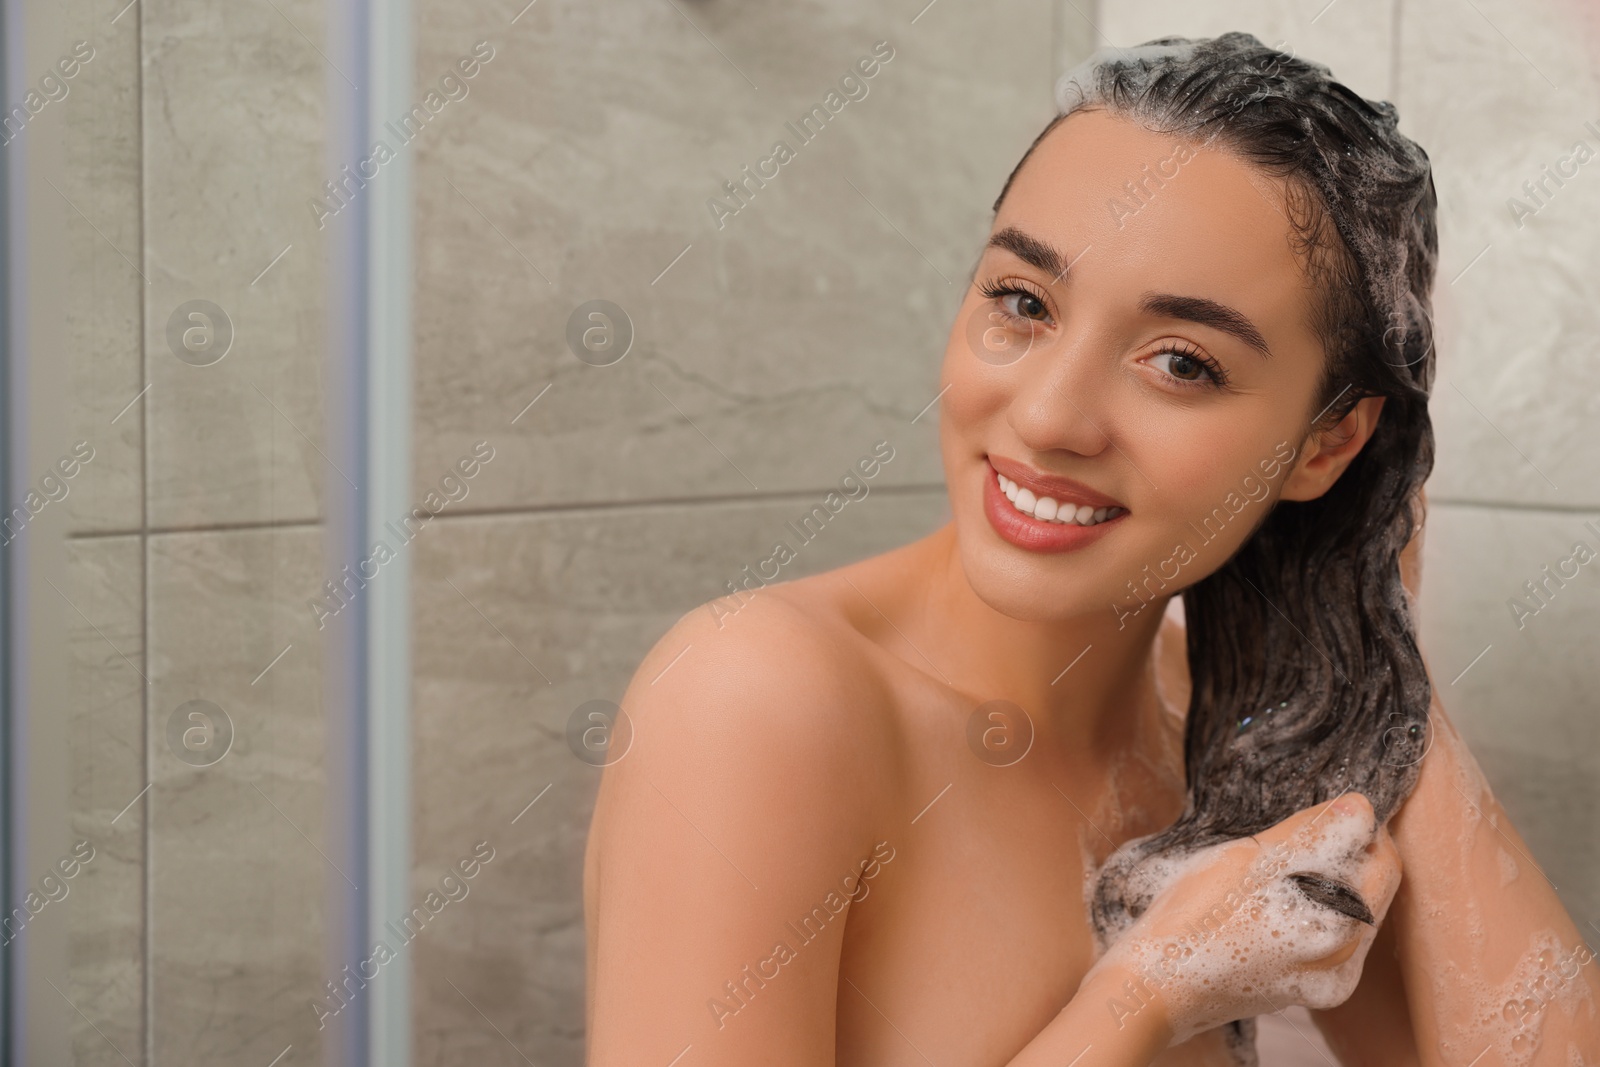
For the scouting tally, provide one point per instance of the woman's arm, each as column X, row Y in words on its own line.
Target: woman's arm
column 1493, row 965
column 726, row 845
column 1089, row 1032
column 1461, row 927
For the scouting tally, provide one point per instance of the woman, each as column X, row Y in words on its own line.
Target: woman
column 868, row 819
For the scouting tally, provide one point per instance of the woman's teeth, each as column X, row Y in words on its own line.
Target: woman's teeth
column 1048, row 509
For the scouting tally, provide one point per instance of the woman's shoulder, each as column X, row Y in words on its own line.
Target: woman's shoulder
column 751, row 781
column 777, row 673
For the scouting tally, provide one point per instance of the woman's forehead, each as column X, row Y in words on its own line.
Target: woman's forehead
column 1118, row 201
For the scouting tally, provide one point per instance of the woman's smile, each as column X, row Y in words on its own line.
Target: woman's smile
column 1044, row 512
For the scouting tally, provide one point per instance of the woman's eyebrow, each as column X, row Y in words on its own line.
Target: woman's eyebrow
column 1206, row 312
column 1031, row 250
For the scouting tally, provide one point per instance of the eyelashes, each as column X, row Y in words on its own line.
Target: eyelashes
column 999, row 290
column 1179, row 352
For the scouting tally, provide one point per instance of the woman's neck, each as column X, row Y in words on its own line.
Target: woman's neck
column 1084, row 680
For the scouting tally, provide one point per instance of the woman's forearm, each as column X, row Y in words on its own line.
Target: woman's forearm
column 1104, row 1025
column 1493, row 965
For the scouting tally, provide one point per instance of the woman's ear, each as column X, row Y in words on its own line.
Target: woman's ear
column 1326, row 453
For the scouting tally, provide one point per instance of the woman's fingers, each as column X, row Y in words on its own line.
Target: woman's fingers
column 1309, row 823
column 1338, row 875
column 1381, row 873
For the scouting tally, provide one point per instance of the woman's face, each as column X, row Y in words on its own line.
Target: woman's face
column 1143, row 356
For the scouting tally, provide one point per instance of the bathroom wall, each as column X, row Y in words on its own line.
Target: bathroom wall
column 194, row 139
column 1494, row 90
column 768, row 354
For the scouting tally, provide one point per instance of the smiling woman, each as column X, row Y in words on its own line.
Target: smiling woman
column 1239, row 368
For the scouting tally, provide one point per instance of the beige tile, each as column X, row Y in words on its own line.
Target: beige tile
column 236, row 880
column 579, row 597
column 233, row 95
column 98, row 121
column 1496, row 91
column 1526, row 707
column 105, row 897
column 1351, row 37
column 808, row 325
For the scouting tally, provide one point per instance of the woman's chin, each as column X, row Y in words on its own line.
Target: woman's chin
column 1022, row 590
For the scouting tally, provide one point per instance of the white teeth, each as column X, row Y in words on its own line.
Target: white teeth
column 1048, row 509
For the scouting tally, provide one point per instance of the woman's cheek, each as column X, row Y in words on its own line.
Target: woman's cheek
column 974, row 393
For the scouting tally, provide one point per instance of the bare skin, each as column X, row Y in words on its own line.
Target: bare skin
column 810, row 755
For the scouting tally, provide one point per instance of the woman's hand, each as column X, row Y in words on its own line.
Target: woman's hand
column 1244, row 928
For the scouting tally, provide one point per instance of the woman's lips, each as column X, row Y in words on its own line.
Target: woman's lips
column 1036, row 534
column 1051, row 485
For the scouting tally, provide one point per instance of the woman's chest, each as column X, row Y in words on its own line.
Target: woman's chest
column 976, row 933
column 972, row 935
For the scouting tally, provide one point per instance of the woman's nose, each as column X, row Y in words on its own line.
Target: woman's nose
column 1061, row 399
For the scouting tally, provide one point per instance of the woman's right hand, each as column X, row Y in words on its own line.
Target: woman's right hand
column 1230, row 933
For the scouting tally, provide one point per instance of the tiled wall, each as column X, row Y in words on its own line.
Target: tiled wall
column 194, row 139
column 767, row 355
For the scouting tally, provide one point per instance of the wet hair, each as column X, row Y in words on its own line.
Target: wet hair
column 1306, row 677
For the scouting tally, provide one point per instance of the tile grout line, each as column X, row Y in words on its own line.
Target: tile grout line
column 574, row 508
column 561, row 509
column 147, row 946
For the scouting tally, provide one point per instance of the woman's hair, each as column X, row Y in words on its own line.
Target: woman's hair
column 1307, row 681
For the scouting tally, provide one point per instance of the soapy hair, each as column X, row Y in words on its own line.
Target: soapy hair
column 1306, row 677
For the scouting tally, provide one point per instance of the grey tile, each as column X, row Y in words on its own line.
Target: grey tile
column 579, row 167
column 234, row 128
column 237, row 883
column 1352, row 37
column 105, row 896
column 98, row 122
column 1526, row 706
column 545, row 613
column 1495, row 93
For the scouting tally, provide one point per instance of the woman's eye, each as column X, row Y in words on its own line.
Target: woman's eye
column 1026, row 305
column 1184, row 367
column 1016, row 302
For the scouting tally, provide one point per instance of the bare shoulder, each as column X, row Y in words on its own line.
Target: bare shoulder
column 748, row 795
column 783, row 666
column 777, row 709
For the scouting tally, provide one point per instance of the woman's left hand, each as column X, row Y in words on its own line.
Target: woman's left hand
column 1246, row 927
